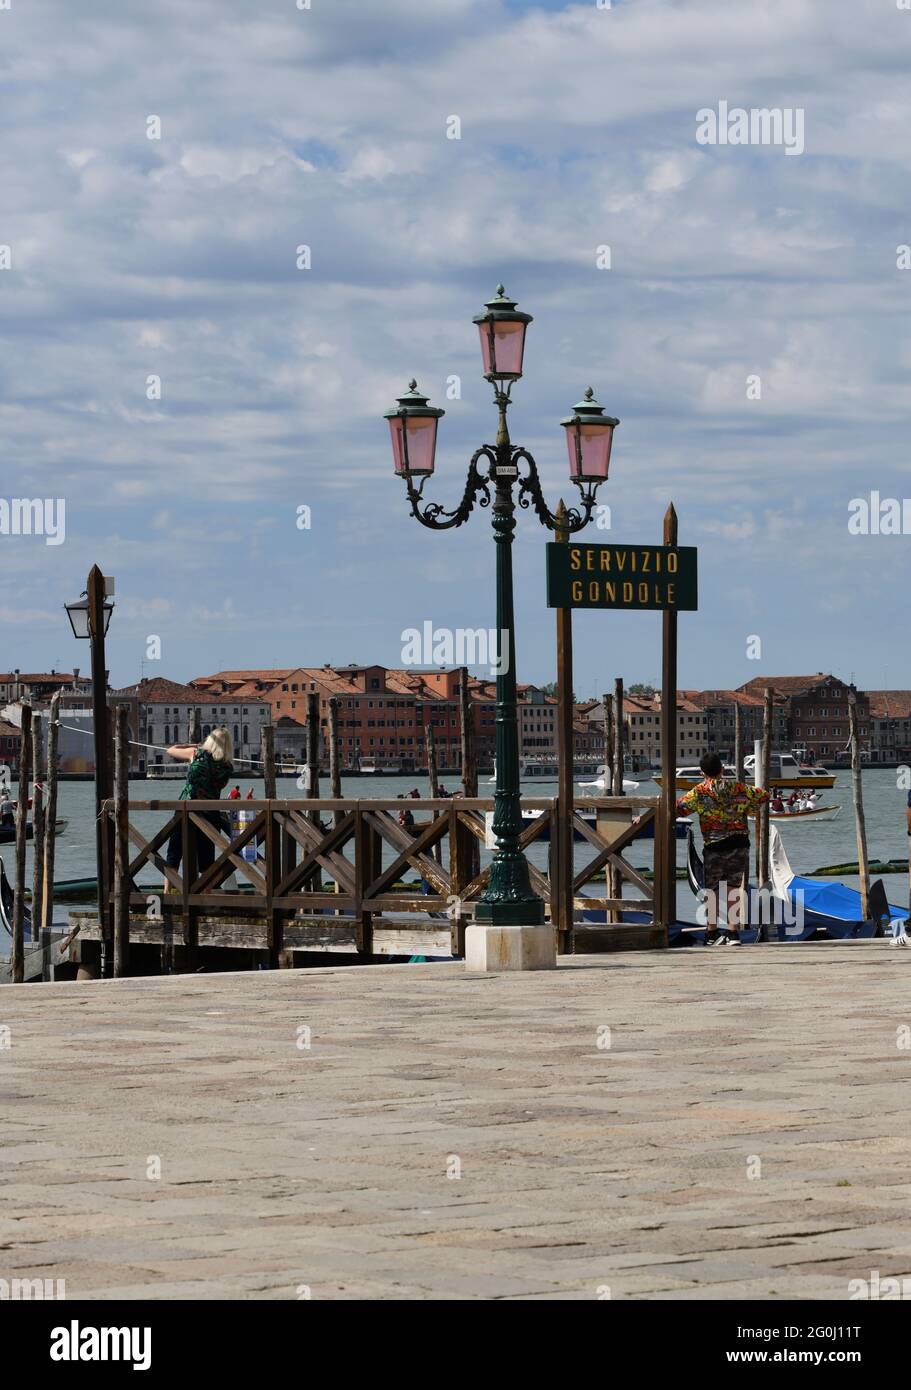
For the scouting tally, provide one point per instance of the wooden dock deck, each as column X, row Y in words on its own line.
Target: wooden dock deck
column 415, row 1132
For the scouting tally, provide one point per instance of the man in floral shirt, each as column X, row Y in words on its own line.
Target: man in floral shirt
column 723, row 809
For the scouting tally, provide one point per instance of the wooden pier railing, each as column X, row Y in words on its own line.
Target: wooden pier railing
column 300, row 882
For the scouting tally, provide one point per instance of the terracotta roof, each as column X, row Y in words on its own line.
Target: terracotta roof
column 159, row 690
column 890, row 704
column 789, row 685
column 47, row 677
column 272, row 674
column 705, row 698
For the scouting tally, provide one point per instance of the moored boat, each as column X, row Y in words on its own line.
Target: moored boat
column 8, row 832
column 810, row 908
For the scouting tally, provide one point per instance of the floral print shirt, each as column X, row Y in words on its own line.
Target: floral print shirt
column 722, row 807
column 206, row 776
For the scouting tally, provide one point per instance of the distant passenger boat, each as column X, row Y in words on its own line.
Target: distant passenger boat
column 784, row 771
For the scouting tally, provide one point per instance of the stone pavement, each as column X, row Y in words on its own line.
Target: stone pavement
column 746, row 1134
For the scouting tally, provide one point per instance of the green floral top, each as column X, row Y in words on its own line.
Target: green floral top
column 722, row 806
column 206, row 776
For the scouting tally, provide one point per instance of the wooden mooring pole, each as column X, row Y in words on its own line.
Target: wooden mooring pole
column 617, row 779
column 50, row 832
column 17, row 954
column 267, row 753
column 335, row 773
column 432, row 777
column 768, row 697
column 469, row 850
column 121, row 842
column 37, row 827
column 608, row 709
column 863, row 864
column 312, row 749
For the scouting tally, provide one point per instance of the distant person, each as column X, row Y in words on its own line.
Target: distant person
column 792, row 801
column 249, row 796
column 414, row 792
column 234, row 794
column 7, row 809
column 777, row 804
column 723, row 808
column 406, row 819
column 208, row 774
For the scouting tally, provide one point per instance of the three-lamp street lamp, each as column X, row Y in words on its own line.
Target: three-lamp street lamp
column 509, row 898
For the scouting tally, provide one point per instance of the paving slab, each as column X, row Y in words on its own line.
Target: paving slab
column 665, row 1125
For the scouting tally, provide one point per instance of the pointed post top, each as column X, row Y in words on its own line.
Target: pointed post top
column 561, row 531
column 670, row 525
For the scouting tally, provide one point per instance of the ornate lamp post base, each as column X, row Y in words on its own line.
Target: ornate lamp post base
column 510, row 913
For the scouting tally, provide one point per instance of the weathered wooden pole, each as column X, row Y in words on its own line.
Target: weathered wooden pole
column 432, row 777
column 37, row 827
column 430, row 741
column 738, row 742
column 466, row 732
column 17, row 954
column 469, row 850
column 768, row 697
column 121, row 842
column 863, row 866
column 562, row 905
column 758, row 776
column 313, row 749
column 47, row 867
column 267, row 753
column 608, row 714
column 619, row 740
column 335, row 773
column 667, row 820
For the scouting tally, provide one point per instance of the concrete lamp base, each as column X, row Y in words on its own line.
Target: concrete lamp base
column 490, row 948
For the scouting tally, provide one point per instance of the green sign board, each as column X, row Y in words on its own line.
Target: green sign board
column 621, row 576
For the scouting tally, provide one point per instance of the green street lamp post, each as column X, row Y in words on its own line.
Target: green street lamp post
column 509, row 899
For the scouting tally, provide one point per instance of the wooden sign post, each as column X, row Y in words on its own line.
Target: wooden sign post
column 635, row 578
column 667, row 859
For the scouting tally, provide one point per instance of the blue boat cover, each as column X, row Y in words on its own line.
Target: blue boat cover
column 830, row 899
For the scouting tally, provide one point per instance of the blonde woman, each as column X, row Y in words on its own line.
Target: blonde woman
column 209, row 773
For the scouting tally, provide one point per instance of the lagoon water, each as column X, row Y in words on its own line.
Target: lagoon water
column 809, row 845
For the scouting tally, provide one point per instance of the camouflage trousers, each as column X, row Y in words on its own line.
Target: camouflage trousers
column 730, row 866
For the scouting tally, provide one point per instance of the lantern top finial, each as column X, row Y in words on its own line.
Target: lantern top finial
column 414, row 402
column 588, row 409
column 501, row 309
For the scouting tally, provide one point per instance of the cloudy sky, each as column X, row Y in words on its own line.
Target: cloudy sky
column 280, row 127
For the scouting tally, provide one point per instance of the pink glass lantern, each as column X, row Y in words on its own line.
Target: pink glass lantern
column 413, row 428
column 589, row 435
column 502, row 330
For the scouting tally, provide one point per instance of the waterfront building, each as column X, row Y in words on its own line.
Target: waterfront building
column 818, row 713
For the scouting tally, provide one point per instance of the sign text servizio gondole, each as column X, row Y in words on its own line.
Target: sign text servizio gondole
column 621, row 576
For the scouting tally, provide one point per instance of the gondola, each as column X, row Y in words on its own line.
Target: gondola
column 7, row 901
column 829, row 909
column 8, row 832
